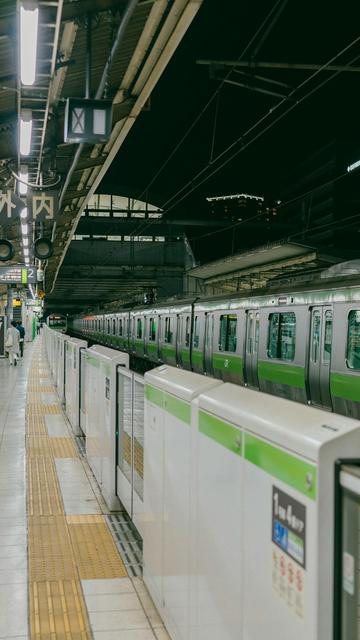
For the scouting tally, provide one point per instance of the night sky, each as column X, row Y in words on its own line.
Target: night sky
column 305, row 32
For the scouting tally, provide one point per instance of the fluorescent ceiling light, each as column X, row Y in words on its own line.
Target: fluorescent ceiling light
column 26, row 252
column 23, row 176
column 26, row 242
column 25, row 131
column 28, row 43
column 27, row 261
column 24, row 229
column 23, row 214
column 353, row 166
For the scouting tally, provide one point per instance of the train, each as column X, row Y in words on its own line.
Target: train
column 57, row 321
column 302, row 345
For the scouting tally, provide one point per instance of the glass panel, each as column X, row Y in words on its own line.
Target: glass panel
column 257, row 332
column 124, row 426
column 227, row 337
column 327, row 336
column 196, row 332
column 152, row 330
column 315, row 336
column 187, row 331
column 350, row 558
column 139, row 328
column 353, row 340
column 168, row 333
column 249, row 327
column 138, row 427
column 282, row 336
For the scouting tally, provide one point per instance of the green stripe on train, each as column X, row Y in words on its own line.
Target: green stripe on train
column 293, row 471
column 185, row 356
column 345, row 386
column 290, row 374
column 197, row 357
column 225, row 362
column 221, row 432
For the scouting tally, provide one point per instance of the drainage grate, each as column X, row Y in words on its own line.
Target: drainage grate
column 80, row 443
column 128, row 542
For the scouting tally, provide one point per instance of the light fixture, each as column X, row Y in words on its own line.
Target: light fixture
column 28, row 44
column 24, row 229
column 353, row 166
column 24, row 213
column 26, row 242
column 27, row 261
column 26, row 252
column 23, row 176
column 43, row 248
column 6, row 250
column 25, row 132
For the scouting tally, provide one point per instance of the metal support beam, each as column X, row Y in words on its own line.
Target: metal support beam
column 251, row 64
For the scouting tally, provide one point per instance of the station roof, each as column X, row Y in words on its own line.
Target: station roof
column 207, row 101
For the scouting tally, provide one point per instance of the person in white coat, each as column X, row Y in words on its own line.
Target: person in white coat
column 12, row 343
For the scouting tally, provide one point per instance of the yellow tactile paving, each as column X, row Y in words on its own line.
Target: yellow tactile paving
column 95, row 552
column 57, row 611
column 50, row 551
column 63, row 448
column 43, row 494
column 61, row 549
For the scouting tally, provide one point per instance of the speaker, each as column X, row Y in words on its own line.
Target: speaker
column 6, row 250
column 43, row 248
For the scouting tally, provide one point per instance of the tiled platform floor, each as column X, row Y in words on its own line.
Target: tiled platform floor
column 61, row 576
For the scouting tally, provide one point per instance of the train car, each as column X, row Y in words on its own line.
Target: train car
column 302, row 345
column 57, row 322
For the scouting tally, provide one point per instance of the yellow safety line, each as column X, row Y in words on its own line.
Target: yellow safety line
column 62, row 550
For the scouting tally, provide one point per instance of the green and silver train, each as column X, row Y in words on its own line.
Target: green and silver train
column 303, row 345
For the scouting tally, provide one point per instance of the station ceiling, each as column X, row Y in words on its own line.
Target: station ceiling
column 208, row 100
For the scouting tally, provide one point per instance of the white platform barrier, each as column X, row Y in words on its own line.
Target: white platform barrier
column 239, row 510
column 73, row 381
column 130, row 444
column 99, row 407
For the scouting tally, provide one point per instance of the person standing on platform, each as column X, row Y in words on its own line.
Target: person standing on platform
column 21, row 330
column 12, row 341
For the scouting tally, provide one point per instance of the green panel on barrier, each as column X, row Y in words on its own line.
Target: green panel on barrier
column 91, row 360
column 289, row 469
column 154, row 395
column 226, row 362
column 178, row 408
column 290, row 374
column 221, row 432
column 345, row 386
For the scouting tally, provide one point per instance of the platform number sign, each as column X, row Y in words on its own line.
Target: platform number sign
column 288, row 527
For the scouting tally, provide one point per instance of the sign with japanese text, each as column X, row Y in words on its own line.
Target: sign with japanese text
column 43, row 205
column 17, row 274
column 10, row 207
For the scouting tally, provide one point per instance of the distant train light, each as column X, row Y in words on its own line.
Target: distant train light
column 353, row 166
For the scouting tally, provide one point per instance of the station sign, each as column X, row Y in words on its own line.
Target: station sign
column 11, row 207
column 43, row 205
column 17, row 274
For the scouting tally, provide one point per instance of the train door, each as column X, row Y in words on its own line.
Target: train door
column 319, row 358
column 252, row 347
column 208, row 342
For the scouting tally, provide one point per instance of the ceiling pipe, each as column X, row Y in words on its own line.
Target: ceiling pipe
column 129, row 10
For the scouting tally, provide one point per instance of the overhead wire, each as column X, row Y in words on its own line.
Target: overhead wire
column 240, row 139
column 277, row 7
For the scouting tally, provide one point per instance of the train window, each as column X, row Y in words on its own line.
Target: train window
column 114, row 326
column 108, row 325
column 227, row 336
column 315, row 336
column 120, row 327
column 196, row 332
column 139, row 328
column 282, row 336
column 168, row 333
column 327, row 337
column 152, row 329
column 257, row 332
column 353, row 340
column 187, row 331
